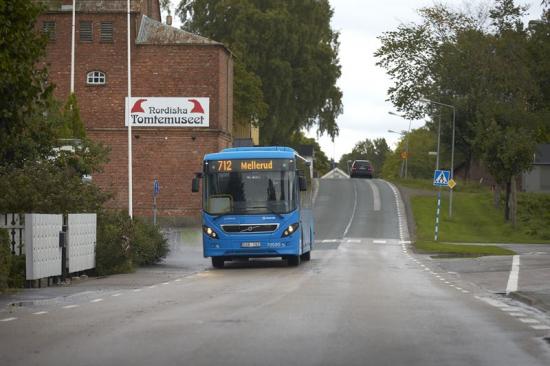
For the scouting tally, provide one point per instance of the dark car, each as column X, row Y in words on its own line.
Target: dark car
column 361, row 168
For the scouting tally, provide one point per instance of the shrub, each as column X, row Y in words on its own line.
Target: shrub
column 148, row 244
column 5, row 259
column 113, row 243
column 123, row 243
column 534, row 214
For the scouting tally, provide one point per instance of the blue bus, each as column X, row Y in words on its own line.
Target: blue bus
column 257, row 202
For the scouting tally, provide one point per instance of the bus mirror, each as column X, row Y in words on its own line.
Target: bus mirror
column 195, row 184
column 303, row 183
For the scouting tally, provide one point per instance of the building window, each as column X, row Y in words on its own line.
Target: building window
column 106, row 32
column 95, row 78
column 48, row 28
column 85, row 31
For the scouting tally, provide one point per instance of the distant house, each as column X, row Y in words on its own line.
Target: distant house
column 538, row 178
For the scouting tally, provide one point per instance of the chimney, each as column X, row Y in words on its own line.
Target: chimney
column 169, row 20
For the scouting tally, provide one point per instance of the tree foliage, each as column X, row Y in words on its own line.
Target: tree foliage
column 487, row 65
column 286, row 61
column 375, row 151
column 25, row 132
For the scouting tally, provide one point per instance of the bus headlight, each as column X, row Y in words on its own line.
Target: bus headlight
column 209, row 231
column 290, row 230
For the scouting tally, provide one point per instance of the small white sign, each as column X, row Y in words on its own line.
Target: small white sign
column 168, row 112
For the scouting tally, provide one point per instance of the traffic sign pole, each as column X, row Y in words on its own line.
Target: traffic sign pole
column 438, row 209
column 156, row 191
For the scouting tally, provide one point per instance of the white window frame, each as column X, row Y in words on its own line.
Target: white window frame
column 96, row 77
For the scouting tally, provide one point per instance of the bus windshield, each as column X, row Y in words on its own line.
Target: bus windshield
column 250, row 192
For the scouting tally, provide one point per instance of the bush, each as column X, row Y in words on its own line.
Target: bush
column 113, row 243
column 5, row 259
column 534, row 214
column 148, row 244
column 123, row 243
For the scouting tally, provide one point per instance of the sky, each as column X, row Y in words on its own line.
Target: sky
column 364, row 84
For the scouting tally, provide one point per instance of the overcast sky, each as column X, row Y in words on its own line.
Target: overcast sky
column 363, row 83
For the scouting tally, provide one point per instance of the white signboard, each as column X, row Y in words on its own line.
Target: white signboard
column 168, row 112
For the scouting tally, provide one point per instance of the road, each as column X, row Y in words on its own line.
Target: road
column 363, row 299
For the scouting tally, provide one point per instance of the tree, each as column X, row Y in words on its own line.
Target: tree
column 286, row 61
column 25, row 132
column 375, row 151
column 420, row 163
column 486, row 71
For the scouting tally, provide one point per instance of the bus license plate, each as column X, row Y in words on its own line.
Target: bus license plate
column 250, row 244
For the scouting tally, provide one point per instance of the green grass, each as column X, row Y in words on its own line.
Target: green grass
column 474, row 220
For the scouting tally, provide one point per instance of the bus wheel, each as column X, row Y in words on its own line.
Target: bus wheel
column 306, row 256
column 293, row 260
column 217, row 262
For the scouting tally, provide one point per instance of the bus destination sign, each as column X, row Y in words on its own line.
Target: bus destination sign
column 245, row 165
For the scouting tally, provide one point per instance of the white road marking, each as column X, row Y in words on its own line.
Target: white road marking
column 40, row 313
column 116, row 295
column 377, row 205
column 96, row 300
column 465, row 292
column 528, row 321
column 165, row 283
column 379, row 241
column 5, row 320
column 136, row 290
column 178, row 280
column 540, row 327
column 330, row 241
column 512, row 285
column 353, row 240
column 153, row 286
column 70, row 306
column 354, row 209
column 518, row 315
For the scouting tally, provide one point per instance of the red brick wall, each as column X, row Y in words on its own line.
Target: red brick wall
column 172, row 155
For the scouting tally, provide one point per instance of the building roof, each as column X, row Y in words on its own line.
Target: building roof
column 96, row 6
column 542, row 154
column 154, row 32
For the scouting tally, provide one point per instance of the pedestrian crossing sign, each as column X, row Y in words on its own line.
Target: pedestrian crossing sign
column 441, row 178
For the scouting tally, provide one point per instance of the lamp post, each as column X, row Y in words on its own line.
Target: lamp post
column 406, row 140
column 452, row 147
column 130, row 182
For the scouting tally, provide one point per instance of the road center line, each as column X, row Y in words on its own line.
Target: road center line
column 354, row 209
column 376, row 196
column 7, row 319
column 513, row 279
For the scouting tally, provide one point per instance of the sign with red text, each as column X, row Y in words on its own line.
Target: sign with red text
column 168, row 112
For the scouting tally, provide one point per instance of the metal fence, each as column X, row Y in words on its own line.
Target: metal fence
column 15, row 225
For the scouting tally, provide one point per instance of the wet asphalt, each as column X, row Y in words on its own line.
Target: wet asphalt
column 364, row 299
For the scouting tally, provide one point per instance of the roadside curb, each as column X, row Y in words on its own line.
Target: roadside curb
column 530, row 300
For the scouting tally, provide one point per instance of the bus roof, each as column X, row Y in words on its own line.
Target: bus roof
column 260, row 152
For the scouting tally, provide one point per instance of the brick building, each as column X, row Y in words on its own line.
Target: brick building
column 166, row 62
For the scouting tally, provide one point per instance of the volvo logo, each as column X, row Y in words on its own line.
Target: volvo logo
column 249, row 228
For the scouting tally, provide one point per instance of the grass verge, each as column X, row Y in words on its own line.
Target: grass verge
column 475, row 220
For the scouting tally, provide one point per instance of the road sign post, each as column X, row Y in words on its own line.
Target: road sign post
column 441, row 179
column 156, row 191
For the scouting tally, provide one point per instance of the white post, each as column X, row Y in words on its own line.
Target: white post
column 73, row 46
column 130, row 193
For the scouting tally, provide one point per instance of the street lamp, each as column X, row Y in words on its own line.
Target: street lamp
column 406, row 140
column 452, row 147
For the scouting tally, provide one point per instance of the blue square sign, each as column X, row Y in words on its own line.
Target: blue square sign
column 441, row 178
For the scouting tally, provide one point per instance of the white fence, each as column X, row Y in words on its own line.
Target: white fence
column 81, row 242
column 40, row 238
column 42, row 249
